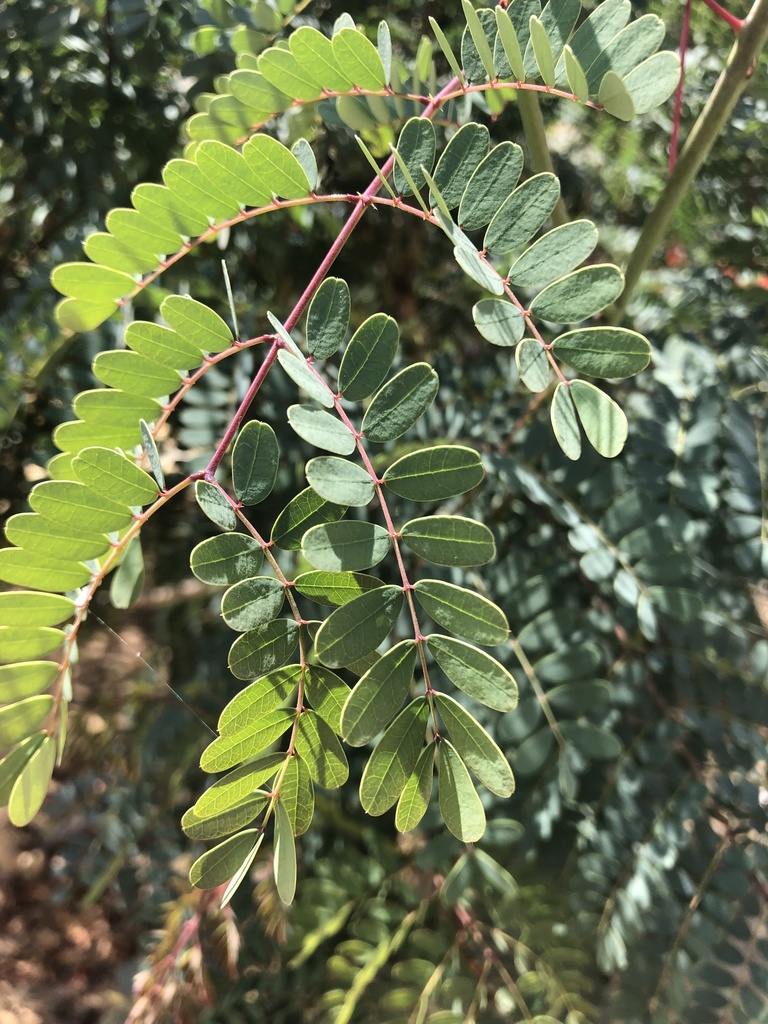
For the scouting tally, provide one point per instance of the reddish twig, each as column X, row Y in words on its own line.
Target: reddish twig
column 675, row 137
column 737, row 24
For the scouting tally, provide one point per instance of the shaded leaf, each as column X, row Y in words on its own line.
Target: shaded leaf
column 564, row 422
column 328, row 314
column 478, row 270
column 394, row 759
column 255, row 461
column 31, row 785
column 523, row 213
column 368, row 357
column 327, row 694
column 285, row 856
column 219, row 864
column 348, row 545
column 466, row 614
column 317, row 745
column 226, row 559
column 652, row 83
column 252, row 603
column 260, row 650
column 592, row 741
column 499, row 321
column 533, row 365
column 474, row 672
column 615, row 97
column 476, row 748
column 358, row 627
column 450, row 540
column 417, row 792
column 459, row 160
column 301, row 513
column 533, row 753
column 490, row 185
column 434, row 474
column 416, row 147
column 215, row 505
column 459, row 803
column 303, row 376
column 378, row 695
column 321, row 429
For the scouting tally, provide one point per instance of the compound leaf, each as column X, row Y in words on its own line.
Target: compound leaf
column 580, row 295
column 318, row 746
column 604, row 351
column 252, row 603
column 603, row 420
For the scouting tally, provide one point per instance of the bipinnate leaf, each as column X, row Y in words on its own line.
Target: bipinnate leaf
column 284, row 864
column 489, row 186
column 555, row 254
column 317, row 745
column 29, row 608
column 223, row 823
column 564, row 422
column 301, row 513
column 219, row 864
column 196, row 323
column 340, row 481
column 476, row 748
column 368, row 357
column 358, row 627
column 281, row 68
column 260, row 650
column 477, row 42
column 358, row 59
column 87, row 281
column 603, row 420
column 134, row 229
column 345, row 546
column 417, row 792
column 115, row 476
column 305, row 377
column 226, row 559
column 499, row 322
column 228, row 169
column 252, row 603
column 464, row 613
column 265, row 694
column 626, row 49
column 327, row 694
column 459, row 803
column 434, row 474
column 459, row 160
column 579, row 295
column 215, row 505
column 321, row 429
column 604, row 24
column 474, row 672
column 394, row 758
column 533, row 365
column 378, row 695
column 328, row 314
column 32, row 783
column 450, row 540
column 334, row 588
column 237, row 785
column 604, row 351
column 255, row 461
column 416, row 147
column 233, row 748
column 297, row 795
column 523, row 213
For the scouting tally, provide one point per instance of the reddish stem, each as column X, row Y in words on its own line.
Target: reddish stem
column 675, row 137
column 737, row 24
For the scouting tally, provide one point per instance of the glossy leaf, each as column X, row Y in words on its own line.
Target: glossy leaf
column 604, row 351
column 301, row 513
column 555, row 254
column 580, row 295
column 234, row 747
column 260, row 650
column 394, row 759
column 328, row 314
column 378, row 695
column 523, row 213
column 226, row 559
column 533, row 365
column 475, row 747
column 317, row 745
column 327, row 694
column 400, row 403
column 416, row 146
column 490, row 185
column 603, row 421
column 255, row 461
column 285, row 856
column 450, row 540
column 340, row 481
column 252, row 603
column 499, row 322
column 565, row 423
column 196, row 323
column 459, row 803
column 358, row 627
column 302, row 375
column 417, row 792
column 321, row 429
column 215, row 505
column 27, row 608
column 264, row 695
column 348, row 545
column 31, row 785
column 218, row 865
column 434, row 474
column 115, row 476
column 459, row 160
column 464, row 613
column 368, row 357
column 474, row 672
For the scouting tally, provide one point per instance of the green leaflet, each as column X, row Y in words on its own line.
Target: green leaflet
column 276, row 167
column 192, row 189
column 481, row 272
column 318, row 746
column 368, row 357
column 163, row 207
column 32, row 532
column 416, row 146
column 25, row 569
column 533, row 365
column 260, row 650
column 302, row 374
column 219, row 864
column 578, row 662
column 615, row 98
column 75, row 504
column 490, row 185
column 228, row 169
column 107, row 408
column 297, row 795
column 459, row 161
column 498, row 321
column 476, row 748
column 604, row 351
column 507, row 55
column 116, row 476
column 19, row 643
column 255, row 461
column 542, row 50
column 284, row 864
column 555, row 254
column 134, row 229
column 417, row 792
column 523, row 213
column 603, row 24
column 27, row 608
column 653, row 81
column 327, row 694
column 226, row 559
column 355, row 113
column 32, row 784
column 328, row 314
column 556, row 23
column 434, row 474
column 628, row 48
column 97, row 285
column 358, row 60
column 252, row 603
column 459, row 803
column 348, row 545
column 358, row 627
column 474, row 672
column 301, row 513
column 17, row 721
column 215, row 505
column 253, row 89
column 340, row 481
column 577, row 80
column 233, row 748
column 603, row 421
column 400, row 403
column 12, row 765
column 127, row 582
column 238, row 785
column 464, row 613
column 73, row 436
column 222, row 823
column 394, row 759
column 677, row 602
column 450, row 540
column 564, row 422
column 477, row 43
column 321, row 429
column 335, row 588
column 580, row 295
column 378, row 695
column 83, row 314
column 384, row 47
column 593, row 741
column 264, row 695
column 162, row 345
column 314, row 52
column 578, row 698
column 196, row 323
column 136, row 374
column 108, row 251
column 284, row 335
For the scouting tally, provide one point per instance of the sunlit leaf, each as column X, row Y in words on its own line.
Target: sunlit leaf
column 297, row 795
column 219, row 864
column 237, row 785
column 476, row 748
column 358, row 627
column 285, row 855
column 348, row 545
column 564, row 422
column 416, row 794
column 301, row 513
column 264, row 695
column 115, row 476
column 555, row 254
column 340, row 481
column 378, row 695
column 474, row 672
column 603, row 421
column 464, row 613
column 368, row 357
column 28, row 608
column 523, row 213
column 533, row 365
column 226, row 559
column 490, row 185
column 394, row 759
column 255, row 461
column 31, row 785
column 434, row 474
column 459, row 160
column 316, row 743
column 234, row 747
column 450, row 540
column 260, row 650
column 252, row 603
column 215, row 505
column 327, row 694
column 335, row 588
column 224, row 822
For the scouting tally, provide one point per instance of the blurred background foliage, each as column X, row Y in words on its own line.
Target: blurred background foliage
column 617, row 884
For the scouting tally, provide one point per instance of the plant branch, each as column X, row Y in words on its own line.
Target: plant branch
column 536, row 138
column 704, row 135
